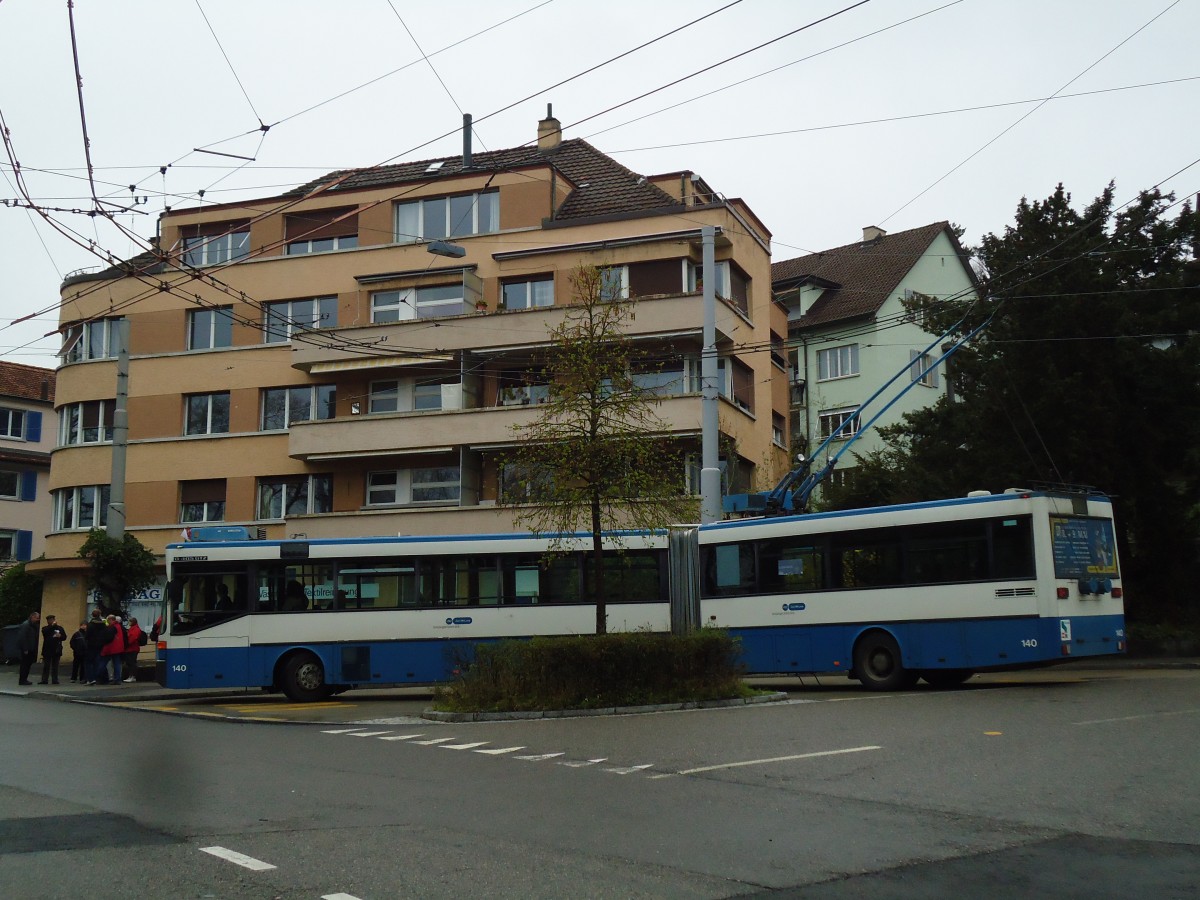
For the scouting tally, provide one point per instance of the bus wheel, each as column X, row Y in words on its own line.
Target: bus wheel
column 877, row 663
column 945, row 679
column 304, row 678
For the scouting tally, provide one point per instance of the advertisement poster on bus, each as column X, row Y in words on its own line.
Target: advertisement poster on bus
column 1083, row 547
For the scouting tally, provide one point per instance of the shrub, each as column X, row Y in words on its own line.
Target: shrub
column 595, row 671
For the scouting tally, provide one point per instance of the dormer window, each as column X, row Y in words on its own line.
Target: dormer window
column 321, row 230
column 214, row 243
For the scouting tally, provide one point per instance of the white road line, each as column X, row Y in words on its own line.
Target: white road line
column 341, row 730
column 368, row 733
column 338, row 897
column 500, row 751
column 248, row 862
column 434, row 741
column 464, row 746
column 759, row 762
column 402, row 737
column 1175, row 712
column 541, row 756
column 580, row 763
column 629, row 770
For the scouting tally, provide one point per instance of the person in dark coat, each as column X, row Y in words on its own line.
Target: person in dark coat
column 27, row 642
column 79, row 654
column 97, row 637
column 53, row 636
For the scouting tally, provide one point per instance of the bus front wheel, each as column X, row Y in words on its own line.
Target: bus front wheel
column 878, row 663
column 304, row 678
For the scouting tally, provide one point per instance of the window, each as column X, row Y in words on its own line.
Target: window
column 207, row 414
column 214, row 249
column 98, row 339
column 202, row 501
column 614, row 283
column 12, row 422
column 522, row 387
column 668, row 378
column 522, row 484
column 778, row 427
column 921, row 369
column 528, row 294
column 837, row 362
column 90, row 422
column 283, row 406
column 425, row 485
column 662, row 276
column 291, row 316
column 442, row 217
column 732, row 283
column 16, row 545
column 417, row 303
column 294, row 496
column 831, row 420
column 81, row 507
column 10, row 485
column 413, row 395
column 208, row 329
column 321, row 230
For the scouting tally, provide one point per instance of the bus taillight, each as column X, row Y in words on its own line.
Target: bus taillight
column 1064, row 593
column 1066, row 649
column 1118, row 593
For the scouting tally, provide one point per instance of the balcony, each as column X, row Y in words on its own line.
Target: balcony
column 431, row 432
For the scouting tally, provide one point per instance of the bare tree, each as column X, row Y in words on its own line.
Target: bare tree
column 598, row 458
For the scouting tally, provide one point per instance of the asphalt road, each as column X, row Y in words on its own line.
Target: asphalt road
column 1063, row 783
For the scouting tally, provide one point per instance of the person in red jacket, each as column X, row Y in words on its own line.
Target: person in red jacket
column 114, row 650
column 133, row 643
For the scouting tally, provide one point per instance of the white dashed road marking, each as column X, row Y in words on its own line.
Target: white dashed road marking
column 248, row 862
column 464, row 746
column 541, row 756
column 338, row 897
column 402, row 737
column 759, row 762
column 367, row 733
column 500, row 751
column 629, row 770
column 434, row 741
column 580, row 763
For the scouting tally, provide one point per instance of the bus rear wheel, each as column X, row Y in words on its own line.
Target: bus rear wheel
column 945, row 679
column 878, row 663
column 304, row 679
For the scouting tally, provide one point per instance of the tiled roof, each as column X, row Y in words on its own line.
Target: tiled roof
column 866, row 274
column 26, row 382
column 602, row 186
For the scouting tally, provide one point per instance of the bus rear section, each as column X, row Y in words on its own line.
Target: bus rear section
column 935, row 590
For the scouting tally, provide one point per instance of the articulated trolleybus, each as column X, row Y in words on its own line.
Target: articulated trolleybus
column 887, row 595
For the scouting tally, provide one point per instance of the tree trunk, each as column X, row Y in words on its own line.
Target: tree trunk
column 598, row 566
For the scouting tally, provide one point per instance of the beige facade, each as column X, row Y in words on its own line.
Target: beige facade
column 304, row 365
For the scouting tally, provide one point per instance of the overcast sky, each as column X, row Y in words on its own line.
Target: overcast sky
column 858, row 120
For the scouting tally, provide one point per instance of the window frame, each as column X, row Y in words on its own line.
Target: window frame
column 336, row 242
column 320, row 397
column 316, row 491
column 217, row 331
column 211, row 402
column 281, row 323
column 11, row 414
column 827, row 424
column 424, row 230
column 68, row 504
column 528, row 285
column 81, row 340
column 847, row 362
column 401, row 486
column 204, row 250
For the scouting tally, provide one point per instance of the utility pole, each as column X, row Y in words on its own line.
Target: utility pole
column 115, row 527
column 710, row 472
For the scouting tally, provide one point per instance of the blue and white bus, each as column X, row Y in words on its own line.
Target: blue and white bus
column 887, row 595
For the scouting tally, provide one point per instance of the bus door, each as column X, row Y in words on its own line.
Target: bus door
column 210, row 630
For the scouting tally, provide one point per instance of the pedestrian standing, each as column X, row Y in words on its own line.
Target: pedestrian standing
column 27, row 642
column 53, row 636
column 96, row 639
column 135, row 639
column 79, row 654
column 114, row 650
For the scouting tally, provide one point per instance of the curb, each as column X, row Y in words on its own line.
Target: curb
column 435, row 715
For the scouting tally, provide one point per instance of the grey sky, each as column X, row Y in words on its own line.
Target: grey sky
column 156, row 85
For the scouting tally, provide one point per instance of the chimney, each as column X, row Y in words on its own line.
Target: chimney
column 872, row 233
column 549, row 131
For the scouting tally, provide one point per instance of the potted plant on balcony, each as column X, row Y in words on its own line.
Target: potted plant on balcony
column 481, row 305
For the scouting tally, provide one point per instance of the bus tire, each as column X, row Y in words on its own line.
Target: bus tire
column 879, row 665
column 304, row 678
column 946, row 679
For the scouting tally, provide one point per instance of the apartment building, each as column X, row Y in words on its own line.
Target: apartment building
column 849, row 333
column 27, row 435
column 351, row 357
